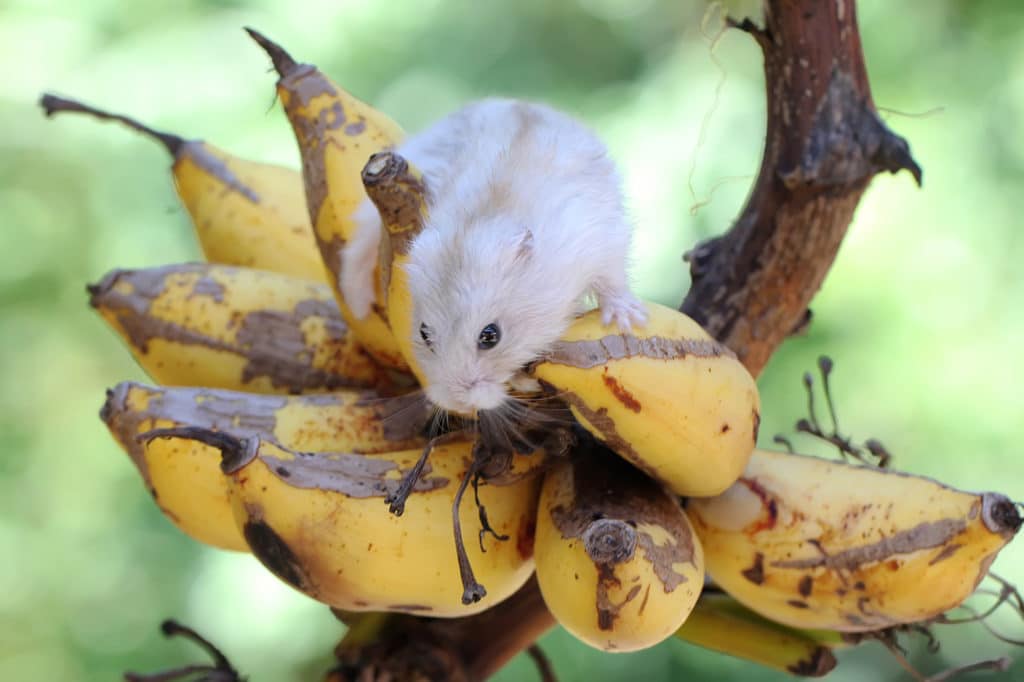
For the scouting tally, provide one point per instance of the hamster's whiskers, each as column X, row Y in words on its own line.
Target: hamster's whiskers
column 414, row 404
column 439, row 422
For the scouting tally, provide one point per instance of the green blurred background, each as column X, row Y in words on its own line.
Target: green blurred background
column 923, row 311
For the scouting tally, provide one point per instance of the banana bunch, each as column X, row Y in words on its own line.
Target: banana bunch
column 284, row 427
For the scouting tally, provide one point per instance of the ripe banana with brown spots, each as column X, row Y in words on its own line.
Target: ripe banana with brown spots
column 227, row 327
column 815, row 543
column 667, row 397
column 184, row 475
column 336, row 134
column 318, row 521
column 244, row 212
column 618, row 563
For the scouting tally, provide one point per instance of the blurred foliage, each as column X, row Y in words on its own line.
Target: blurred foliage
column 922, row 311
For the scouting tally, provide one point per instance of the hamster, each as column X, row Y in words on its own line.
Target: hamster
column 526, row 219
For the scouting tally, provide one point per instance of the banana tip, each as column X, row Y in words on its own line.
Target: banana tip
column 114, row 402
column 820, row 663
column 1000, row 514
column 98, row 290
column 49, row 103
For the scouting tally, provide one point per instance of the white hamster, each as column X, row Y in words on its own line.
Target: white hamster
column 526, row 219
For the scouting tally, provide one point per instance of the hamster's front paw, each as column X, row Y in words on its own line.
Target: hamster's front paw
column 624, row 309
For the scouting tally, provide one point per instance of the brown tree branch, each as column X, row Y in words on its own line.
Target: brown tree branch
column 824, row 143
column 751, row 286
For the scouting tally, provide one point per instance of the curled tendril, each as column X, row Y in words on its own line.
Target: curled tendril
column 1008, row 594
column 871, row 452
column 220, row 671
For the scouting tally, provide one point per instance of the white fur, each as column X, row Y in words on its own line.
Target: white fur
column 525, row 219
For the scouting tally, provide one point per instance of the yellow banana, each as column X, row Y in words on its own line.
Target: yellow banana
column 617, row 561
column 722, row 624
column 815, row 543
column 667, row 397
column 235, row 328
column 244, row 212
column 319, row 522
column 396, row 188
column 184, row 475
column 336, row 133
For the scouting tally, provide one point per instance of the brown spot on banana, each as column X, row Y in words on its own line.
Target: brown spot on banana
column 947, row 552
column 769, row 507
column 643, row 604
column 605, row 425
column 207, row 286
column 805, row 586
column 350, row 474
column 275, row 346
column 622, row 395
column 821, row 662
column 410, row 608
column 525, row 537
column 926, row 535
column 274, row 553
column 593, row 353
column 311, row 133
column 198, row 153
column 608, row 610
column 755, row 573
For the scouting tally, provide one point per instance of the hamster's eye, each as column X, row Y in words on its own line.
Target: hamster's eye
column 489, row 337
column 425, row 334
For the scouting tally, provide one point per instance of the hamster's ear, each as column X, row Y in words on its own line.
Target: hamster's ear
column 524, row 249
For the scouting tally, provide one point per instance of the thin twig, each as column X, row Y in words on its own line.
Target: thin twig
column 1001, row 664
column 472, row 591
column 221, row 671
column 540, row 659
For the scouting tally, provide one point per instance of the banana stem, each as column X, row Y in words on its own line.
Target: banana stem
column 540, row 659
column 751, row 285
column 283, row 62
column 53, row 104
column 396, row 500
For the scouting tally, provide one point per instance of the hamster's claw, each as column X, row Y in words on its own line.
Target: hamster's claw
column 626, row 311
